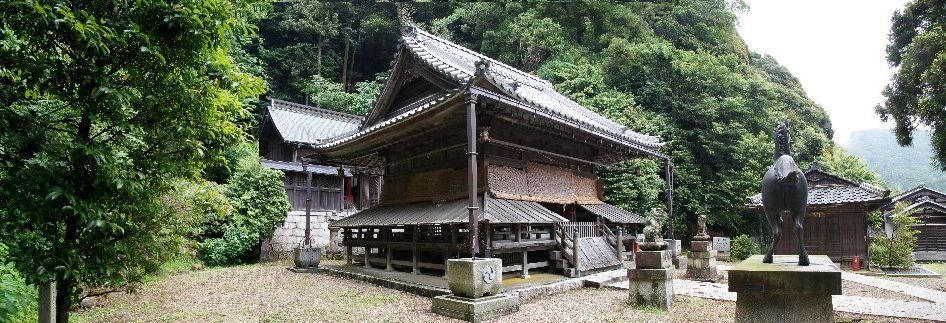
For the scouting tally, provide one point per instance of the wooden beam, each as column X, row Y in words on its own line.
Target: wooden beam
column 388, row 263
column 415, row 270
column 540, row 151
column 524, row 272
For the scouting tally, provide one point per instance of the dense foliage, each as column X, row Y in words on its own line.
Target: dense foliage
column 105, row 103
column 916, row 97
column 674, row 69
column 901, row 168
column 258, row 202
column 742, row 247
column 17, row 299
column 896, row 251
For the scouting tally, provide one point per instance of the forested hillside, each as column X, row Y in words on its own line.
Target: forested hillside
column 674, row 69
column 902, row 168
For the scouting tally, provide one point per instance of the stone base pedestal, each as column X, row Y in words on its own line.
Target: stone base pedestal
column 702, row 262
column 783, row 291
column 306, row 257
column 651, row 282
column 475, row 309
column 474, row 278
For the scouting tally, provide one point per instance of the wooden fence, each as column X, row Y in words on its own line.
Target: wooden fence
column 585, row 229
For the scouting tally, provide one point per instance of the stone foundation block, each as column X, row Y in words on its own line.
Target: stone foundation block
column 475, row 309
column 701, row 246
column 649, row 274
column 702, row 270
column 752, row 307
column 652, row 259
column 652, row 292
column 702, row 254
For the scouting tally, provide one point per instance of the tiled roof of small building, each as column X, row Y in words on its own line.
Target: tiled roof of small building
column 496, row 211
column 305, row 124
column 825, row 188
column 908, row 193
column 460, row 65
column 613, row 213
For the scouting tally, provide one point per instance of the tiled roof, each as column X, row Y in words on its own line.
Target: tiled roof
column 496, row 211
column 297, row 167
column 304, row 124
column 613, row 213
column 921, row 187
column 460, row 64
column 828, row 194
column 926, row 204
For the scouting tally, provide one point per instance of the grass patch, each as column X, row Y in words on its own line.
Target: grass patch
column 938, row 267
column 357, row 299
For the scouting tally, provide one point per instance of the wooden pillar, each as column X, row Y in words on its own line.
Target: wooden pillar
column 525, row 264
column 446, row 257
column 489, row 240
column 472, row 189
column 416, row 269
column 367, row 253
column 388, row 264
column 575, row 251
column 348, row 254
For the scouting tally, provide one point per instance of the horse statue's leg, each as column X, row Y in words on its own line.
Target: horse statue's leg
column 775, row 222
column 798, row 216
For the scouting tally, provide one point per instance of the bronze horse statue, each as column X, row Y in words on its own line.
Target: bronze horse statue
column 784, row 188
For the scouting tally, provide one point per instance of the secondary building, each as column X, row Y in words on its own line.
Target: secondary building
column 928, row 206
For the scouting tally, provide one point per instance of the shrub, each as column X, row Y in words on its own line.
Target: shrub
column 17, row 299
column 896, row 251
column 259, row 203
column 742, row 247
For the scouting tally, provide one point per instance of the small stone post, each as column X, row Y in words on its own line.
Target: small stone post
column 620, row 244
column 575, row 252
column 47, row 302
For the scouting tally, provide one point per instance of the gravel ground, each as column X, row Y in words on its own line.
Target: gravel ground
column 270, row 293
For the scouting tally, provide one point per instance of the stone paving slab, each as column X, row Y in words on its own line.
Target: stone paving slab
column 842, row 303
column 931, row 295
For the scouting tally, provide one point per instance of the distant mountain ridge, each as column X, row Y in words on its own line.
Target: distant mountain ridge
column 901, row 168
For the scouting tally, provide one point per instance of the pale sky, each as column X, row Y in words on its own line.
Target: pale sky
column 836, row 48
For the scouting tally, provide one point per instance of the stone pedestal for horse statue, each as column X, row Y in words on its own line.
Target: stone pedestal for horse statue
column 784, row 291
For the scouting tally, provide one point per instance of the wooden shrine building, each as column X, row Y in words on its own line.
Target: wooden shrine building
column 288, row 132
column 836, row 222
column 928, row 206
column 454, row 133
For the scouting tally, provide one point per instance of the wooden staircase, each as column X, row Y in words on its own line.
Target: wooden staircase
column 595, row 253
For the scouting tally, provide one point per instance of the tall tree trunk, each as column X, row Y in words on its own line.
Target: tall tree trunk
column 318, row 57
column 65, row 285
column 345, row 66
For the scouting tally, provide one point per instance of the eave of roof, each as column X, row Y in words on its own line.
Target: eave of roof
column 921, row 187
column 853, row 192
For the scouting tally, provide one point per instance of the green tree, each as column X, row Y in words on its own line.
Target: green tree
column 104, row 104
column 259, row 203
column 916, row 96
column 897, row 251
column 839, row 162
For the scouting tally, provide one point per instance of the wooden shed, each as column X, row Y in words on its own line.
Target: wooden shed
column 288, row 132
column 462, row 138
column 836, row 223
column 928, row 206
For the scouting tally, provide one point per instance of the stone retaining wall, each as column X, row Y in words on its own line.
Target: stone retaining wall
column 291, row 233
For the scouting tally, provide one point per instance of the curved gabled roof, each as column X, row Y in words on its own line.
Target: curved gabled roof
column 463, row 66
